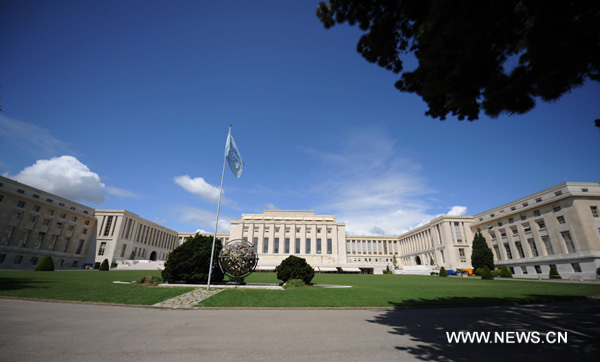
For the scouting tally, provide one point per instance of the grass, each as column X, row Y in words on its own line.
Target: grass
column 399, row 291
column 84, row 285
column 366, row 291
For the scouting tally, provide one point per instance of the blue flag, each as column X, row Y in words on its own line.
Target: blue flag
column 233, row 156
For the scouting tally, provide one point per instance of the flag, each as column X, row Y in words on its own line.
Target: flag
column 233, row 156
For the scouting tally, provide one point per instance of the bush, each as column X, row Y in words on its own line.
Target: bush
column 104, row 265
column 486, row 273
column 598, row 271
column 505, row 272
column 443, row 272
column 496, row 273
column 478, row 271
column 113, row 265
column 132, row 255
column 294, row 283
column 294, row 267
column 554, row 273
column 190, row 262
column 46, row 264
column 149, row 280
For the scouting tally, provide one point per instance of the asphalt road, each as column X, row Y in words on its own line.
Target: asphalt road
column 53, row 331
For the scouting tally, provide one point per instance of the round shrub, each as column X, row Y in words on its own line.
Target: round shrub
column 46, row 264
column 496, row 273
column 505, row 272
column 554, row 273
column 190, row 262
column 486, row 273
column 443, row 272
column 104, row 265
column 294, row 267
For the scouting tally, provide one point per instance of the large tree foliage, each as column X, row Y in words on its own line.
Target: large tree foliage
column 481, row 254
column 190, row 261
column 497, row 56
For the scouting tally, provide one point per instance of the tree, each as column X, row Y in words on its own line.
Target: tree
column 294, row 267
column 104, row 265
column 443, row 272
column 46, row 264
column 496, row 56
column 190, row 261
column 505, row 272
column 481, row 254
column 486, row 273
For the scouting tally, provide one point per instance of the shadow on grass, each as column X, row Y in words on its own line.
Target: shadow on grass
column 478, row 301
column 427, row 329
column 21, row 283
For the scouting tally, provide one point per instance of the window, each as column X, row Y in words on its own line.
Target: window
column 84, row 231
column 61, row 204
column 71, row 227
column 75, row 262
column 286, row 246
column 539, row 199
column 533, row 247
column 21, row 204
column 49, row 200
column 1, row 198
column 36, row 208
column 526, row 228
column 538, row 269
column 461, row 252
column 80, row 247
column 519, row 249
column 525, row 204
column 297, row 246
column 523, row 217
column 265, row 245
column 108, row 225
column 558, row 193
column 2, row 257
column 16, row 215
column 33, row 260
column 63, row 216
column 524, row 269
column 556, row 208
column 18, row 259
column 66, row 248
column 329, row 246
column 74, row 219
column 32, row 219
column 512, row 270
column 576, row 267
column 541, row 224
column 21, row 191
column 548, row 245
column 499, row 223
column 255, row 243
column 308, row 246
column 512, row 208
column 584, row 190
column 102, row 248
column 276, row 246
column 59, row 225
column 53, row 243
column 50, row 212
column 561, row 219
column 536, row 213
column 319, row 245
column 515, row 231
column 511, row 220
column 568, row 241
column 442, row 255
column 508, row 253
column 594, row 210
column 497, row 250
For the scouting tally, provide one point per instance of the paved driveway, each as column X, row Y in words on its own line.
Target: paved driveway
column 49, row 331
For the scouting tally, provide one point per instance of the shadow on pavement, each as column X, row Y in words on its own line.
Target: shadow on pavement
column 427, row 328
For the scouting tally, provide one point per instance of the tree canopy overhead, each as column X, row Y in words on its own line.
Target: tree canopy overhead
column 497, row 56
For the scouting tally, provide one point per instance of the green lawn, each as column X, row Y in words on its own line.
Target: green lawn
column 366, row 291
column 398, row 290
column 84, row 285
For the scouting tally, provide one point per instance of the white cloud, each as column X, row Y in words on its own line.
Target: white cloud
column 122, row 193
column 457, row 210
column 31, row 138
column 64, row 176
column 270, row 206
column 204, row 219
column 198, row 186
column 370, row 186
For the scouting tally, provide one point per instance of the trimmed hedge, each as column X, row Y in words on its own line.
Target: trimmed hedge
column 443, row 272
column 294, row 267
column 104, row 265
column 554, row 273
column 486, row 273
column 46, row 264
column 505, row 272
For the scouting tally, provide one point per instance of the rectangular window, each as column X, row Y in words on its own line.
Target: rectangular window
column 40, row 241
column 255, row 243
column 541, row 224
column 536, row 213
column 36, row 208
column 329, row 246
column 62, row 216
column 80, row 247
column 108, row 225
column 297, row 246
column 457, row 232
column 556, row 208
column 523, row 217
column 123, row 250
column 463, row 258
column 508, row 253
column 33, row 260
column 308, row 246
column 53, row 243
column 102, row 248
column 18, row 259
column 276, row 246
column 511, row 220
column 568, row 241
column 2, row 257
column 538, row 269
column 524, row 269
column 266, row 246
column 558, row 193
column 21, row 204
column 548, row 245
column 59, row 225
column 75, row 262
column 318, row 246
column 576, row 267
column 442, row 255
column 519, row 249
column 560, row 219
column 497, row 250
column 286, row 246
column 533, row 247
column 594, row 210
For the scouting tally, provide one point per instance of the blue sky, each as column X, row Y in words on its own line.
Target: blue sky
column 126, row 105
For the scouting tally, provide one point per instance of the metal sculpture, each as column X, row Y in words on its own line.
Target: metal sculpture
column 237, row 260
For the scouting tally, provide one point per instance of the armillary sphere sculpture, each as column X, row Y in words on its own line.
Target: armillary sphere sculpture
column 237, row 260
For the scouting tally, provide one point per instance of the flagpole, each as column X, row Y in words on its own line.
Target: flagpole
column 212, row 252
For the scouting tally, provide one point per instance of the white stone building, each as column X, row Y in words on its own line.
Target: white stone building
column 36, row 223
column 558, row 226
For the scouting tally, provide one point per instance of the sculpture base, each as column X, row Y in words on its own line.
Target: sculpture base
column 236, row 282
